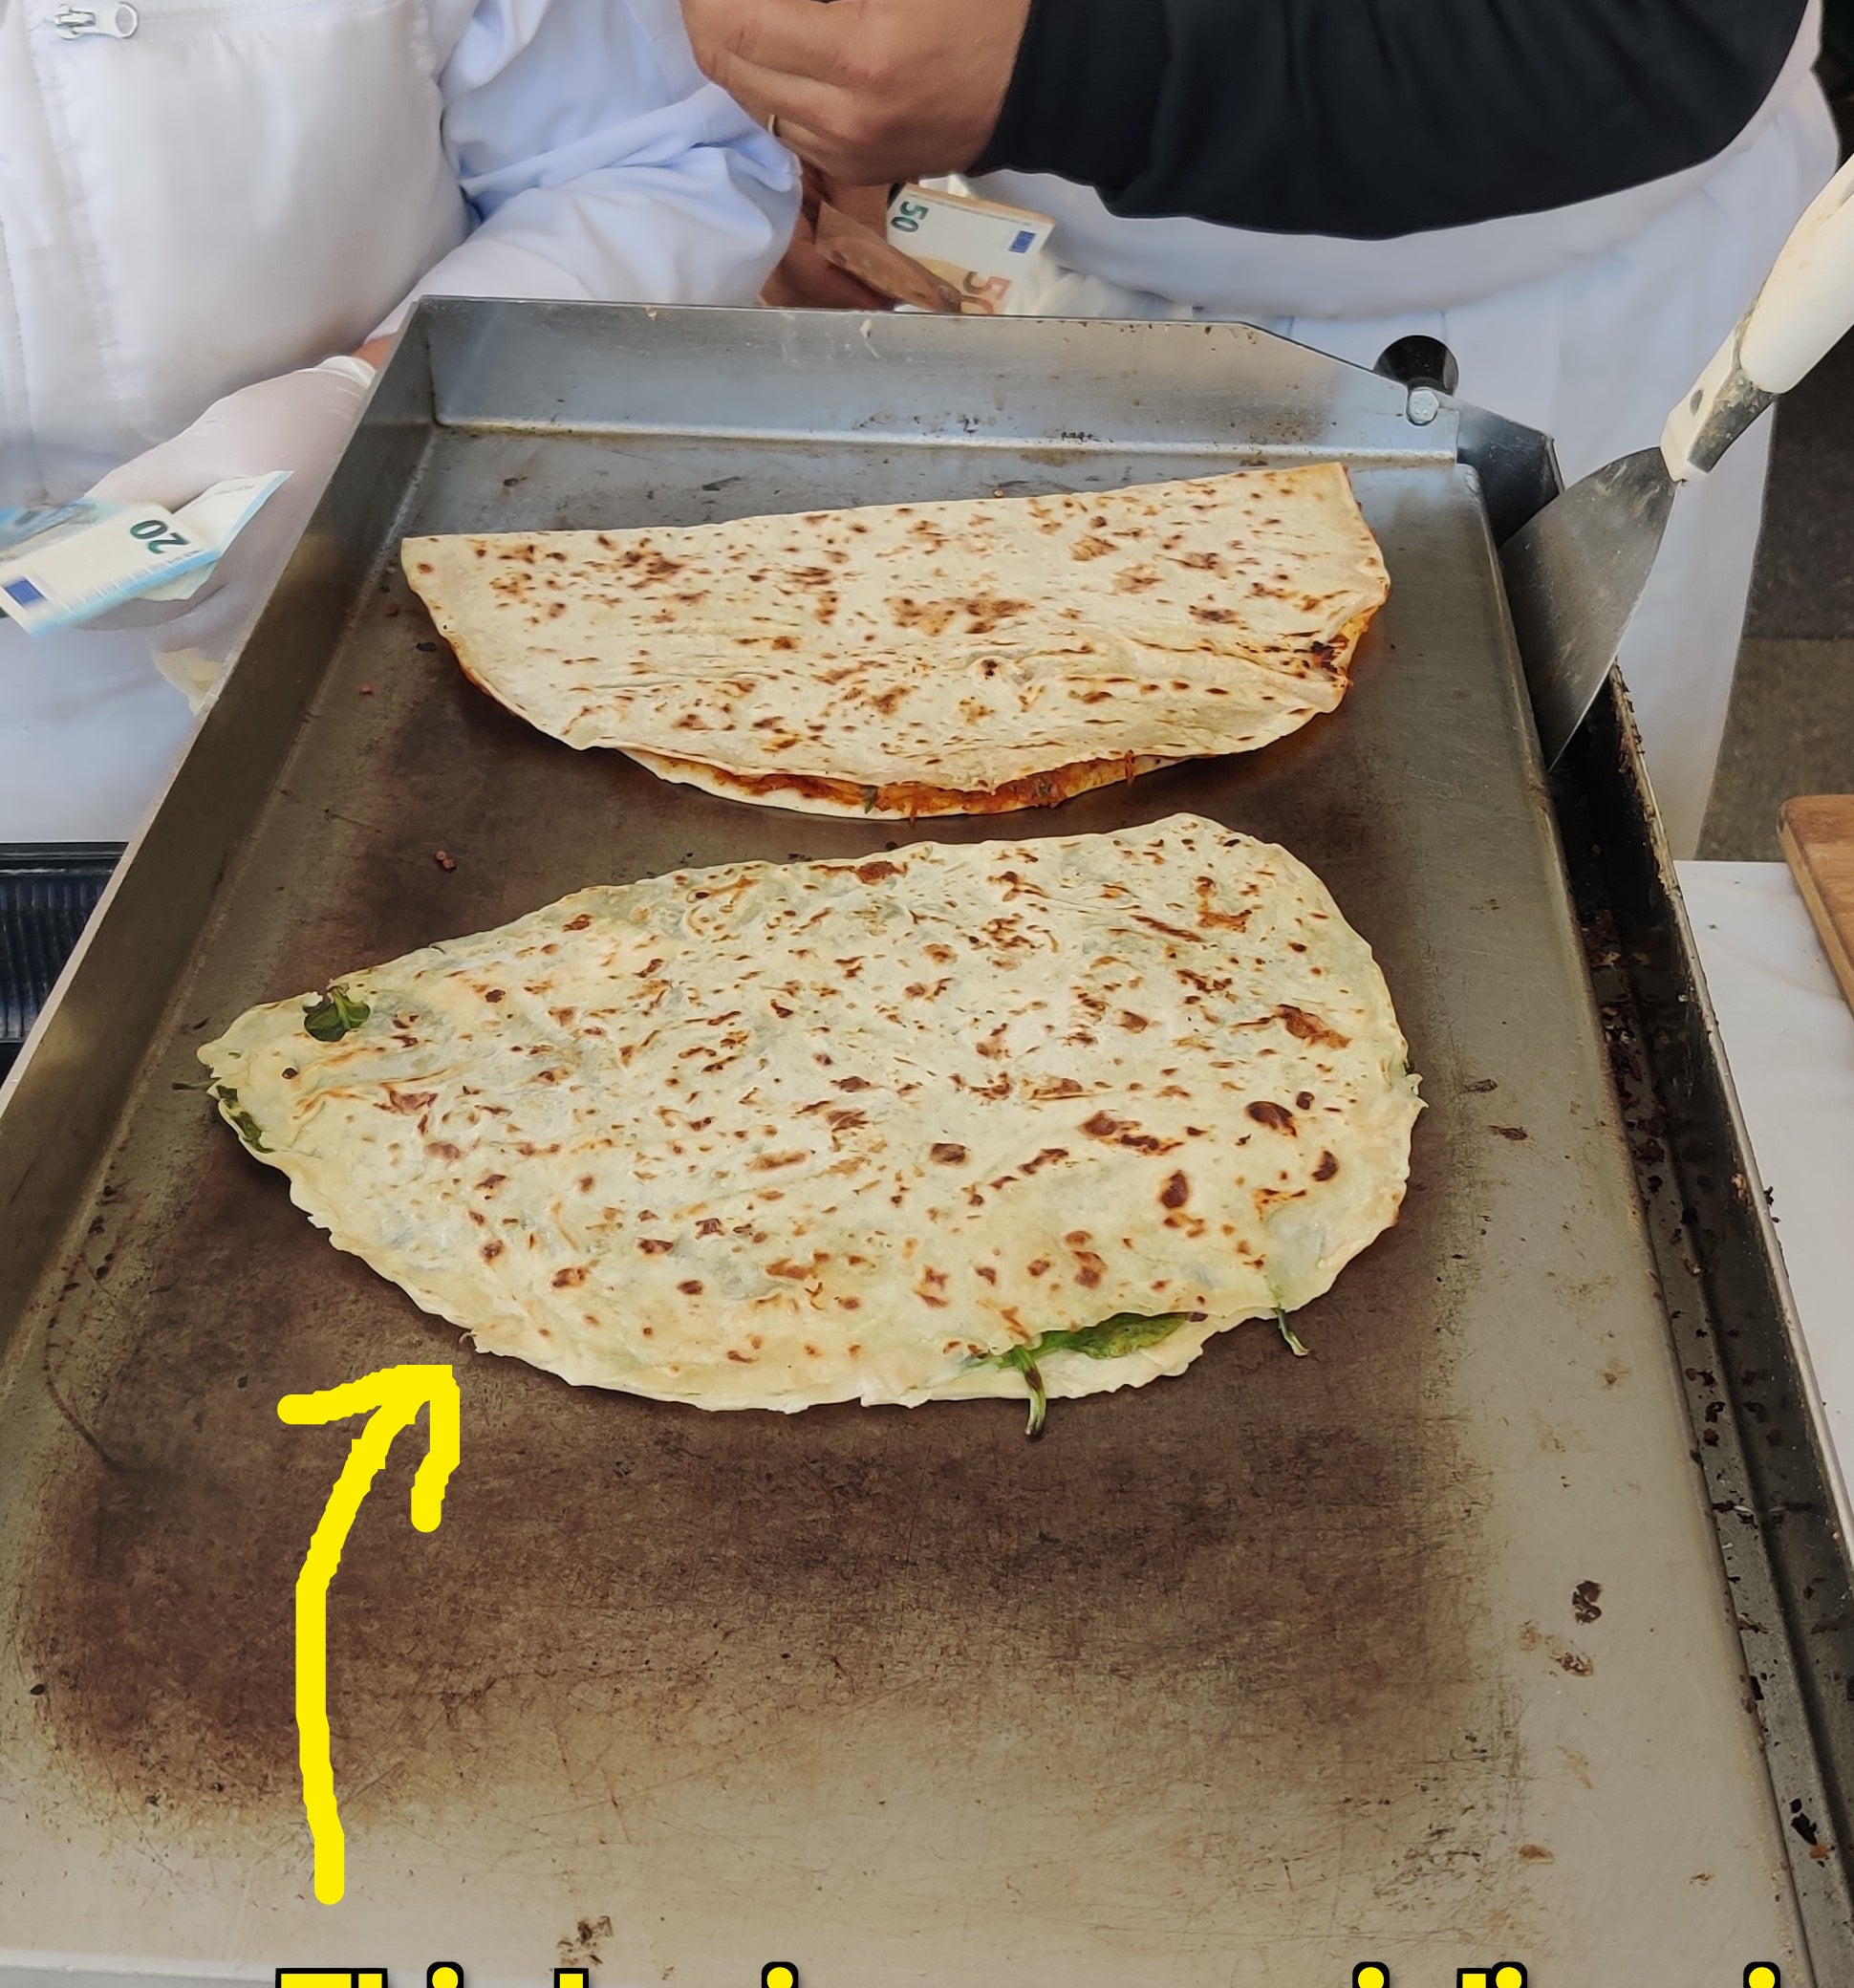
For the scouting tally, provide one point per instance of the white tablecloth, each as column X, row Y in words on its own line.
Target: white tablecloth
column 1789, row 1038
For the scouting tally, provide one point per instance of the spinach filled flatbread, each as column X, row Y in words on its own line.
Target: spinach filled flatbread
column 1020, row 1118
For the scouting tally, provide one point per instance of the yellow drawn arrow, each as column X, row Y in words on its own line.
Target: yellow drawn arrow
column 391, row 1400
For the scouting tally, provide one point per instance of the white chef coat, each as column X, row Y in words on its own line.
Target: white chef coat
column 228, row 192
column 1589, row 322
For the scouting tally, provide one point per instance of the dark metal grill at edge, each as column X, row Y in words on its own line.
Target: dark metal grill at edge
column 46, row 898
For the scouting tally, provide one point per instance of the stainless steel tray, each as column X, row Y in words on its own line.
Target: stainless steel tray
column 1417, row 1651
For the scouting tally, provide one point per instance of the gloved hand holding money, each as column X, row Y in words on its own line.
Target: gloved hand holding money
column 186, row 539
column 299, row 422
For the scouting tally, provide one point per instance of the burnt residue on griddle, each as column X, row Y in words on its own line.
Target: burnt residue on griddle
column 1573, row 1662
column 1250, row 1578
column 1249, row 1560
column 1583, row 1600
column 580, row 1947
column 157, row 1613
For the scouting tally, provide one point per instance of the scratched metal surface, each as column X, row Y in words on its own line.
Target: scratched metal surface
column 1416, row 1650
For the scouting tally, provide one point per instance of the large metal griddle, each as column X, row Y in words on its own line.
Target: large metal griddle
column 1239, row 1678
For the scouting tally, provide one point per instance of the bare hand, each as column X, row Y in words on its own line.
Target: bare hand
column 804, row 277
column 870, row 91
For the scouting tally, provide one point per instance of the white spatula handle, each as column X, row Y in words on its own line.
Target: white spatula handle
column 1806, row 304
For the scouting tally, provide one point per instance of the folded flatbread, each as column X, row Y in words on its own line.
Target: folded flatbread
column 926, row 658
column 774, row 1134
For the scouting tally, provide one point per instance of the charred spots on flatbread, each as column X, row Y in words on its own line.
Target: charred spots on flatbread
column 1051, row 1088
column 1276, row 1117
column 1126, row 1131
column 1309, row 1028
column 852, row 1163
column 858, row 653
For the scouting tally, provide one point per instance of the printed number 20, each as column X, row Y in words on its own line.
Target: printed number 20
column 156, row 536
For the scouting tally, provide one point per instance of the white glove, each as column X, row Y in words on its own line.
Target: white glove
column 299, row 421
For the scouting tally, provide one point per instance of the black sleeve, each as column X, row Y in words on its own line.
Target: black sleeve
column 1377, row 118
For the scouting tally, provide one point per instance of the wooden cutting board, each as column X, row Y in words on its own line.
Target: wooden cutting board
column 1818, row 831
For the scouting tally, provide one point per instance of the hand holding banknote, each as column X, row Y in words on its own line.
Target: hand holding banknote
column 804, row 276
column 299, row 422
column 842, row 256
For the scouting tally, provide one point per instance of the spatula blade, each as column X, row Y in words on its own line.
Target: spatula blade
column 1574, row 576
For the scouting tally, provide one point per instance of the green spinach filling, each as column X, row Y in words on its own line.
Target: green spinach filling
column 1125, row 1332
column 330, row 1019
column 242, row 1122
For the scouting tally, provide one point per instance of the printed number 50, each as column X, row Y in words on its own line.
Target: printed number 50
column 156, row 536
column 907, row 216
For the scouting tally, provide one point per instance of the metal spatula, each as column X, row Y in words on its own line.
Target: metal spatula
column 1576, row 570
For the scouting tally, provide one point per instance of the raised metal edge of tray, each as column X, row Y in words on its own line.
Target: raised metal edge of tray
column 1759, row 1435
